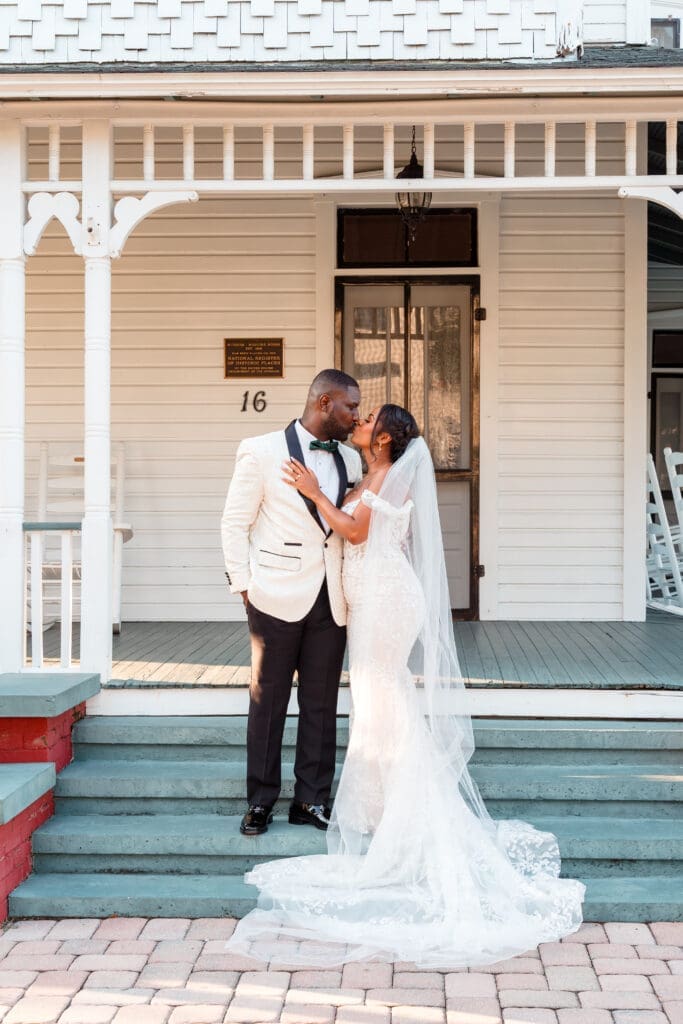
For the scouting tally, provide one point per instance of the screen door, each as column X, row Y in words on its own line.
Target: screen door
column 412, row 344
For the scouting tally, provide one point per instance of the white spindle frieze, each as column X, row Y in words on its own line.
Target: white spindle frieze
column 590, row 143
column 53, row 145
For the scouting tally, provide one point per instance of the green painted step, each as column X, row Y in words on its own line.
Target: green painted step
column 196, row 780
column 160, row 844
column 222, row 738
column 126, row 895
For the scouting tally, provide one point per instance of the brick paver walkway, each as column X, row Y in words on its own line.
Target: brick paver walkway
column 168, row 971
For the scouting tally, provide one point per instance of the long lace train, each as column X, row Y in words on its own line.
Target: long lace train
column 416, row 869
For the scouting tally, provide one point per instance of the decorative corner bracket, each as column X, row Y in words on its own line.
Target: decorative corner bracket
column 42, row 207
column 663, row 196
column 130, row 211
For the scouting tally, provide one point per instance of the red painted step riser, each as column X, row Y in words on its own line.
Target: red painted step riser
column 39, row 739
column 15, row 846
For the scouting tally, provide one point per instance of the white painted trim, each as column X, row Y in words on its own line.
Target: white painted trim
column 638, row 22
column 325, row 263
column 608, row 184
column 97, row 528
column 664, row 196
column 12, row 396
column 546, row 79
column 42, row 208
column 496, row 702
column 130, row 211
column 489, row 258
column 414, row 271
column 635, row 407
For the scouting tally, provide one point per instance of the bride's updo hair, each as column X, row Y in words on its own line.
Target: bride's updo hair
column 399, row 424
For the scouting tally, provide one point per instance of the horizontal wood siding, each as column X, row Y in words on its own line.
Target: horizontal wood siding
column 190, row 276
column 604, row 21
column 561, row 411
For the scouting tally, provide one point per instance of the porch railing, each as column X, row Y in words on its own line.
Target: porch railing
column 41, row 572
column 264, row 150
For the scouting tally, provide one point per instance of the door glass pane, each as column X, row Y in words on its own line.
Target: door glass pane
column 378, row 359
column 417, row 366
column 439, row 381
column 444, row 387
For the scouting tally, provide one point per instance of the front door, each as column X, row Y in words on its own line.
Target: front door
column 413, row 344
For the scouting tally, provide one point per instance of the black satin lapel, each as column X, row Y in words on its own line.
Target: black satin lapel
column 294, row 449
column 343, row 478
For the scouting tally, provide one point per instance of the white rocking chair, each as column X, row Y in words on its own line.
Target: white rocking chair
column 60, row 496
column 674, row 467
column 664, row 555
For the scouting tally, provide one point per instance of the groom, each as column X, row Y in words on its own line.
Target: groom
column 286, row 564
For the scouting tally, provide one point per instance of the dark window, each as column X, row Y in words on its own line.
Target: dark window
column 379, row 238
column 667, row 349
column 667, row 32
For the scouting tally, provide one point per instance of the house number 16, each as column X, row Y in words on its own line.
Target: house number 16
column 258, row 402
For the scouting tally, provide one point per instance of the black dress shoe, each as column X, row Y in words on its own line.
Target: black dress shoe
column 256, row 820
column 317, row 815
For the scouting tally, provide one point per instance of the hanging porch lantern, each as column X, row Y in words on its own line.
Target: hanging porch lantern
column 413, row 205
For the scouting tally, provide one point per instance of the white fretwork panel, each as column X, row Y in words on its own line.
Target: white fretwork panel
column 71, row 31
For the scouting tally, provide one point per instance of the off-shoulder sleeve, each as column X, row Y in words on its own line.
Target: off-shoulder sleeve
column 374, row 502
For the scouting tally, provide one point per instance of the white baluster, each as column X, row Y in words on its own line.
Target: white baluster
column 308, row 152
column 509, row 150
column 550, row 141
column 631, row 139
column 590, row 148
column 228, row 152
column 348, row 151
column 428, row 146
column 53, row 152
column 268, row 152
column 672, row 147
column 148, row 152
column 37, row 599
column 66, row 613
column 188, row 152
column 468, row 149
column 388, row 162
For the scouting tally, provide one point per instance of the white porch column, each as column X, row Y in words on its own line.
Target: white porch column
column 12, row 401
column 97, row 546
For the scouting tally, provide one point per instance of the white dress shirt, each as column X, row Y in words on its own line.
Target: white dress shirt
column 323, row 465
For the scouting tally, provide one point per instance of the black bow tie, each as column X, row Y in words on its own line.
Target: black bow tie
column 324, row 446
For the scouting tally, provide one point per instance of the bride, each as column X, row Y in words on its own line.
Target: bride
column 416, row 869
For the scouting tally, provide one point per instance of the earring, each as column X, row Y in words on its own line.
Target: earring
column 380, row 445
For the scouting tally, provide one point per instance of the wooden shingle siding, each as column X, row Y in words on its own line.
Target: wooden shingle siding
column 189, row 277
column 561, row 408
column 283, row 30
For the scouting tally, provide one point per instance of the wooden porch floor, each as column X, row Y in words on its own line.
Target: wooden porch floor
column 612, row 655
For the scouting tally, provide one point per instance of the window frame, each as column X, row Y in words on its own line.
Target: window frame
column 374, row 211
column 674, row 23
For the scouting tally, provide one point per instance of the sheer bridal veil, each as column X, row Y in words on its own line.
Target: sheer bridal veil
column 416, row 869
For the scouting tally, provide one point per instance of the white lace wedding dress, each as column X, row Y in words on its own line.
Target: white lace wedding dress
column 416, row 870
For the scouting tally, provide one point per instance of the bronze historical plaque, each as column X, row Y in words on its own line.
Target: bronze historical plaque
column 254, row 357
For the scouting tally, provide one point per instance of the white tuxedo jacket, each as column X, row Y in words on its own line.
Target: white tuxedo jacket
column 274, row 544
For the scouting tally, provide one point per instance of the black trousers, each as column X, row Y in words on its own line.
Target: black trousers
column 314, row 647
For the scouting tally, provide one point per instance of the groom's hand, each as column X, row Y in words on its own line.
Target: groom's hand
column 245, row 599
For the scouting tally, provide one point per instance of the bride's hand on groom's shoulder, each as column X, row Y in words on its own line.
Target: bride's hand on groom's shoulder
column 301, row 477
